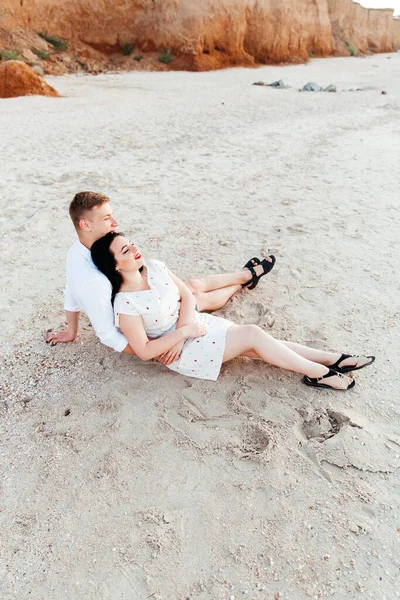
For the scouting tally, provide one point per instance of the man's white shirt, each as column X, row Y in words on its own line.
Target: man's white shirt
column 89, row 290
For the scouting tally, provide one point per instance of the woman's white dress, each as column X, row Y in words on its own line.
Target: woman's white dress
column 159, row 308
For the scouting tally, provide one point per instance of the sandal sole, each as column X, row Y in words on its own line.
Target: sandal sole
column 345, row 370
column 328, row 387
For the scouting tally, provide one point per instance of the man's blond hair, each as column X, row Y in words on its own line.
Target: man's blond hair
column 82, row 203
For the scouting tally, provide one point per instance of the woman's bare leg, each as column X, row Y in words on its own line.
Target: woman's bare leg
column 211, row 283
column 215, row 299
column 240, row 340
column 318, row 356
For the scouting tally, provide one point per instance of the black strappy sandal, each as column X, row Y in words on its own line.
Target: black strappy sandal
column 253, row 262
column 314, row 382
column 348, row 369
column 266, row 265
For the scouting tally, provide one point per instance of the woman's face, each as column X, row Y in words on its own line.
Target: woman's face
column 127, row 255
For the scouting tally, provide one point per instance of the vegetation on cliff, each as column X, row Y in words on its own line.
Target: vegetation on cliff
column 139, row 34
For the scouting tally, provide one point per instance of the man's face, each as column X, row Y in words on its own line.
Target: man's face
column 99, row 221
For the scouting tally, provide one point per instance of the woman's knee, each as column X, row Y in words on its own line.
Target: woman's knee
column 194, row 286
column 252, row 334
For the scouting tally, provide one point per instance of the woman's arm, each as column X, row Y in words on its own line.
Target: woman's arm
column 188, row 302
column 133, row 329
column 186, row 316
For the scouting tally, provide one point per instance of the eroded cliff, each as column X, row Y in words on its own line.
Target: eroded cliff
column 208, row 34
column 361, row 29
column 396, row 34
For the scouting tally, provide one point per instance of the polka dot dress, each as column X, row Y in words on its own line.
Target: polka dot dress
column 159, row 308
column 202, row 357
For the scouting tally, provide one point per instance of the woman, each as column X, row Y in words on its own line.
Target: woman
column 156, row 312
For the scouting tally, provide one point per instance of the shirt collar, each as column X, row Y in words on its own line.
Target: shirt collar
column 83, row 251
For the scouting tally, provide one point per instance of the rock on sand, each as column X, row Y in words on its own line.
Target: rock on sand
column 18, row 79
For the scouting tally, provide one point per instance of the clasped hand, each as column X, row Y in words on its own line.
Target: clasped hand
column 194, row 330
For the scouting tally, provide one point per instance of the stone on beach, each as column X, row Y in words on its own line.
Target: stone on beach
column 314, row 87
column 311, row 87
column 18, row 79
column 279, row 84
column 276, row 84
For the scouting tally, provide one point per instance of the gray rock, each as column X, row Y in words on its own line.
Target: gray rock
column 276, row 84
column 279, row 84
column 330, row 88
column 312, row 87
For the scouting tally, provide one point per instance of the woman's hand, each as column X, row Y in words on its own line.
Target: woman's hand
column 171, row 355
column 194, row 330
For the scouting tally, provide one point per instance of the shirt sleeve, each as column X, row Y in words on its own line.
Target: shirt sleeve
column 124, row 306
column 95, row 299
column 158, row 266
column 70, row 302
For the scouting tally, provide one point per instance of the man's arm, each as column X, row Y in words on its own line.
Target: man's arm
column 72, row 310
column 70, row 333
column 95, row 300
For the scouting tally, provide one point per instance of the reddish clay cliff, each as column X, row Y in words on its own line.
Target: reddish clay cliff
column 362, row 29
column 207, row 34
column 396, row 34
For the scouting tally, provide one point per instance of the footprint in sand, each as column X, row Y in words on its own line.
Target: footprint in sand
column 324, row 424
column 162, row 531
column 257, row 313
column 350, row 440
column 316, row 336
column 258, row 442
column 297, row 228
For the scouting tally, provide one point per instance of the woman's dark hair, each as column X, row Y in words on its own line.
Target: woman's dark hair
column 105, row 261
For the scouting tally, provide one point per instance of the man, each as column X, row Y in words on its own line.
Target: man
column 89, row 290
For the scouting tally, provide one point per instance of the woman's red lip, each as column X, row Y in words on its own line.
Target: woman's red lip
column 138, row 255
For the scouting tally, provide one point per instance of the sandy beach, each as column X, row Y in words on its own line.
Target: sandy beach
column 123, row 480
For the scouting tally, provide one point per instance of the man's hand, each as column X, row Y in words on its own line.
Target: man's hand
column 54, row 337
column 66, row 335
column 171, row 355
